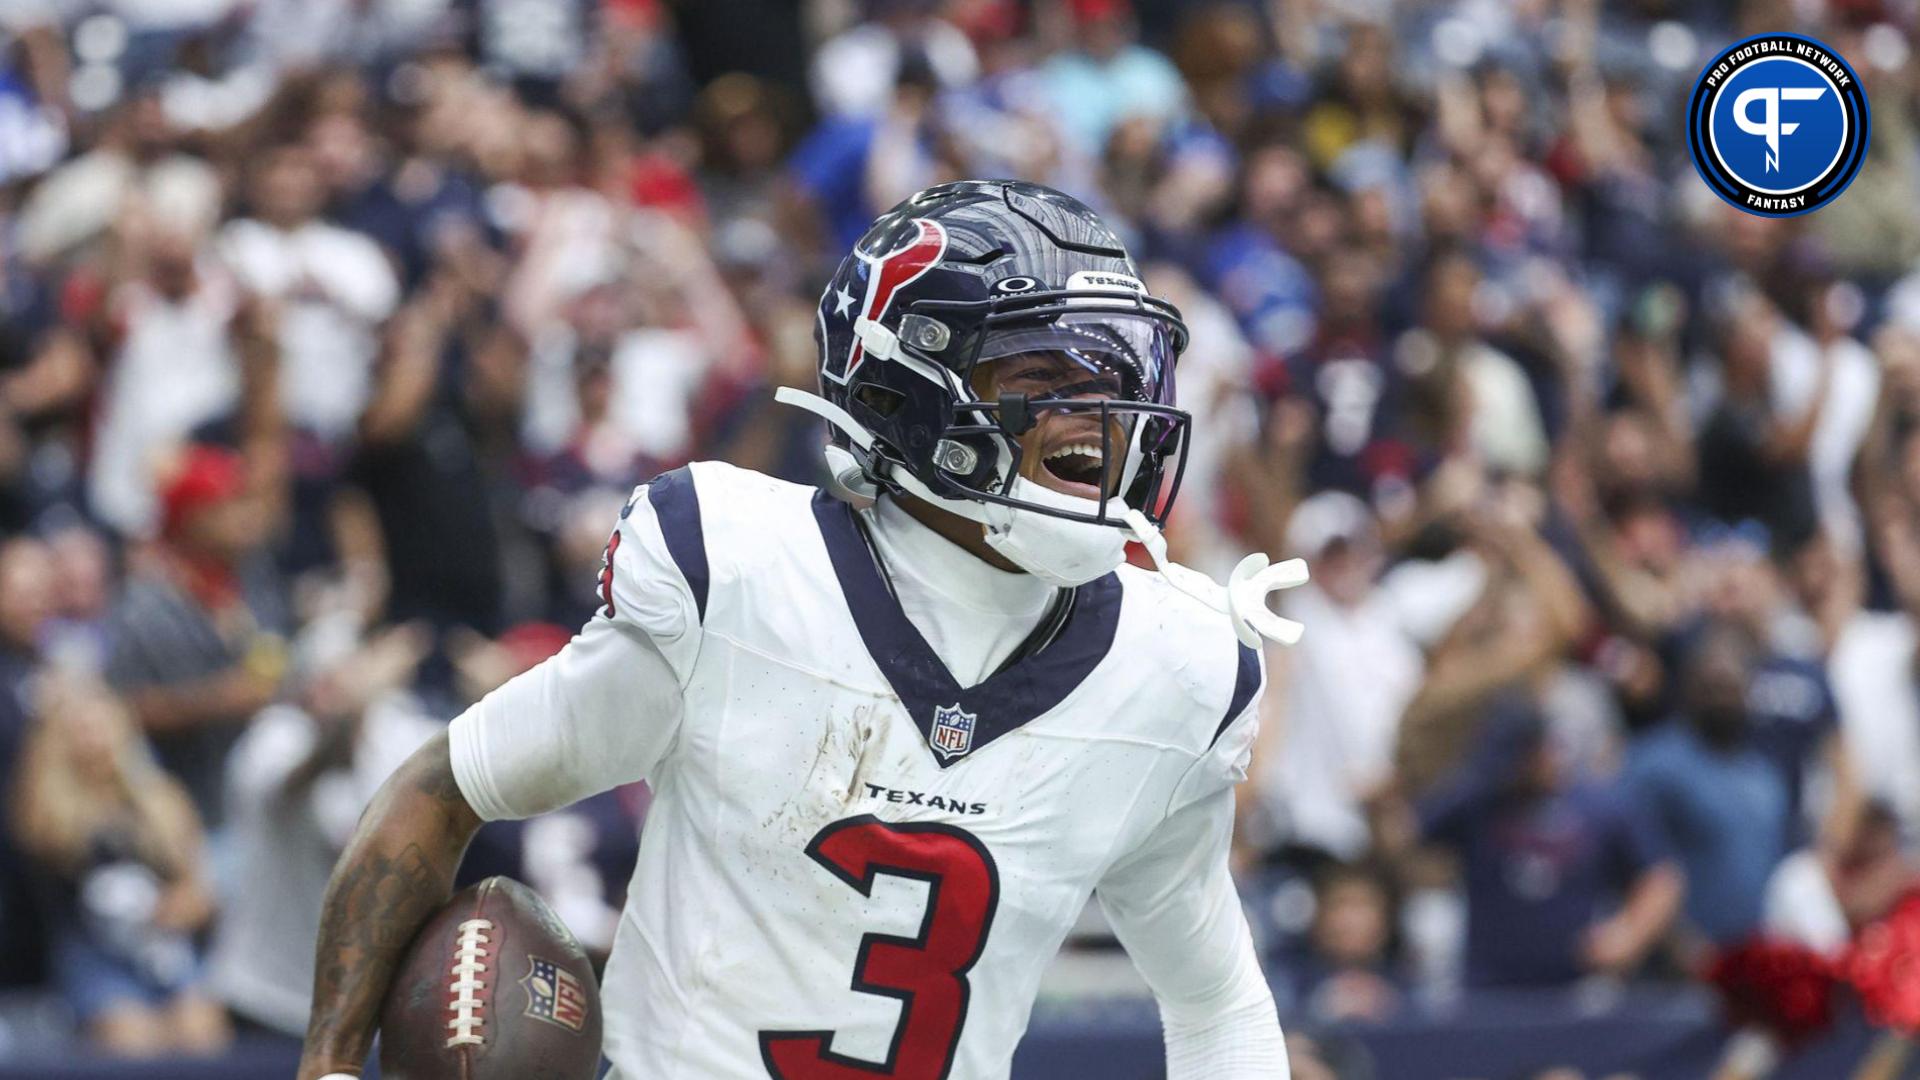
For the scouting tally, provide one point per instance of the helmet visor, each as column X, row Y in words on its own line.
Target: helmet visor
column 1137, row 348
column 1112, row 373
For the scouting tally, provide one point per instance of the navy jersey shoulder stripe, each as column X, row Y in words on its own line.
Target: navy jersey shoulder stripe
column 676, row 503
column 1246, row 680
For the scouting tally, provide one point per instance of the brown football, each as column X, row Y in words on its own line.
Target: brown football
column 494, row 988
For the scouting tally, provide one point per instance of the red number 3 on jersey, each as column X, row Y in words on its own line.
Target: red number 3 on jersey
column 928, row 974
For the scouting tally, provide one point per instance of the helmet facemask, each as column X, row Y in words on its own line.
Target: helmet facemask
column 1044, row 356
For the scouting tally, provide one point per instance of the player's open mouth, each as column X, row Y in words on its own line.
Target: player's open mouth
column 1074, row 469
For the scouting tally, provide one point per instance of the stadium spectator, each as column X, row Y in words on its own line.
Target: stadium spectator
column 1107, row 77
column 1250, row 262
column 1563, row 876
column 1358, row 102
column 297, row 781
column 333, row 287
column 1822, row 901
column 135, row 155
column 418, row 460
column 854, row 72
column 1873, row 646
column 1721, row 804
column 1880, row 708
column 330, row 289
column 84, row 582
column 1526, row 611
column 1356, row 392
column 122, row 848
column 199, row 635
column 1753, row 450
column 834, row 169
column 1468, row 395
column 1330, row 743
column 46, row 377
column 1791, row 709
column 1347, row 971
column 182, row 328
column 26, row 606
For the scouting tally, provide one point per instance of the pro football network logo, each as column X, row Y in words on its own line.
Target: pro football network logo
column 554, row 995
column 952, row 731
column 1778, row 125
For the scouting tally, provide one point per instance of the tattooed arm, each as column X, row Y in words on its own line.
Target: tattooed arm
column 569, row 727
column 396, row 872
column 602, row 712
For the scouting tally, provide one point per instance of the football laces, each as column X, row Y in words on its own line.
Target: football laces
column 469, row 967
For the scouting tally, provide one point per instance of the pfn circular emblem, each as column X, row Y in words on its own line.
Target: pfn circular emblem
column 1778, row 125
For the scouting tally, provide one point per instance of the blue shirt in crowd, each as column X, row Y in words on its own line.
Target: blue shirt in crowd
column 1725, row 814
column 1539, row 870
column 830, row 167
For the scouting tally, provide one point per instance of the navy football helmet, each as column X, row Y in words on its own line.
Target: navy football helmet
column 961, row 275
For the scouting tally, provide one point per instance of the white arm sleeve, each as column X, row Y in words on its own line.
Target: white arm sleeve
column 607, row 708
column 1173, row 906
column 1243, row 1042
column 600, row 714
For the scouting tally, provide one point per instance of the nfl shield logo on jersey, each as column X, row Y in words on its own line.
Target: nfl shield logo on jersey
column 554, row 995
column 952, row 731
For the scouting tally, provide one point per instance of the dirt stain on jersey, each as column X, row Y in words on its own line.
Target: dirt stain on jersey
column 841, row 756
column 864, row 752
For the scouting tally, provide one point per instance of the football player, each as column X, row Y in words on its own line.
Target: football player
column 898, row 732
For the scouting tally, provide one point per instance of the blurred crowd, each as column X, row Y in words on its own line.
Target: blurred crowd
column 334, row 332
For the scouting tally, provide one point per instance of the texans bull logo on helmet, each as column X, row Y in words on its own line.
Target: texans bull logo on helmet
column 884, row 274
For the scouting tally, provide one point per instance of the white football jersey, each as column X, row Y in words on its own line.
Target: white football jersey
column 854, row 866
